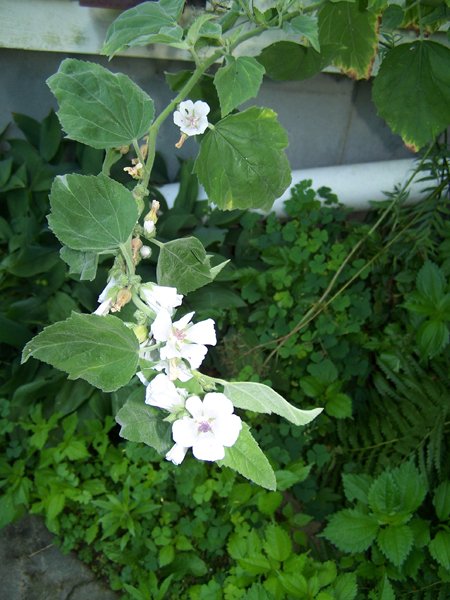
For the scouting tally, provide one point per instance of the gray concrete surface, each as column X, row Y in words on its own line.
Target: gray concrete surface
column 33, row 568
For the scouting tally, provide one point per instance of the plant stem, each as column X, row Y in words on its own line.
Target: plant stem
column 127, row 254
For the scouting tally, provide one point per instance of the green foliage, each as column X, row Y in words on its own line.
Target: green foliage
column 238, row 81
column 101, row 350
column 242, row 163
column 100, row 108
column 423, row 69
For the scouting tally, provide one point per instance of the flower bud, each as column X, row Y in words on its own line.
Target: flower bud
column 145, row 251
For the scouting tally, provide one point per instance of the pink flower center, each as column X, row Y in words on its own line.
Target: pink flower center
column 179, row 334
column 204, row 427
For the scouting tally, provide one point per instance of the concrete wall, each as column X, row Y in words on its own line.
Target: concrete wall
column 330, row 119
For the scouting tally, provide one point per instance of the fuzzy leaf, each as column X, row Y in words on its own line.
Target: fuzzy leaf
column 412, row 91
column 148, row 23
column 91, row 213
column 351, row 530
column 241, row 163
column 247, row 458
column 263, row 399
column 351, row 31
column 101, row 350
column 100, row 108
column 395, row 542
column 238, row 81
column 184, row 264
column 82, row 263
column 140, row 422
column 305, row 26
column 290, row 61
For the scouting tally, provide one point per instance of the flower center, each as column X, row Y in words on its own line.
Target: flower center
column 204, row 427
column 179, row 334
column 193, row 120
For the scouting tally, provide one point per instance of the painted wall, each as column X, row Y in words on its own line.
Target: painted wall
column 330, row 119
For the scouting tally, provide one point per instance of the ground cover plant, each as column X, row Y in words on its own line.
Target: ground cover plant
column 361, row 509
column 347, row 319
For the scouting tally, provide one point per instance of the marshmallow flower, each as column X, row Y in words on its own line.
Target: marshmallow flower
column 211, row 428
column 106, row 298
column 183, row 339
column 191, row 117
column 159, row 297
column 161, row 392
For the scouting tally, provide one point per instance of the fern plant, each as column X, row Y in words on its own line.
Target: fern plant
column 406, row 415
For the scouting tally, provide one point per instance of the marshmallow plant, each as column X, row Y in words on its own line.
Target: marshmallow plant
column 172, row 407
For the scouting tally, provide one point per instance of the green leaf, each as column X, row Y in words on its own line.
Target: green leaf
column 100, row 108
column 339, row 406
column 247, row 458
column 395, row 541
column 143, row 423
column 91, row 213
column 101, row 350
column 82, row 263
column 241, row 162
column 277, row 543
column 441, row 500
column 304, row 26
column 351, row 31
column 385, row 590
column 440, row 548
column 356, row 487
column 147, row 23
column 261, row 398
column 184, row 264
column 392, row 17
column 50, row 136
column 238, row 81
column 351, row 530
column 412, row 91
column 290, row 61
column 432, row 337
column 345, row 587
column 431, row 281
column 400, row 491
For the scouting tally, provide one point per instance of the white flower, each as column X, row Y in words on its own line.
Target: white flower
column 176, row 454
column 161, row 392
column 175, row 368
column 212, row 428
column 191, row 117
column 183, row 339
column 149, row 226
column 106, row 298
column 159, row 297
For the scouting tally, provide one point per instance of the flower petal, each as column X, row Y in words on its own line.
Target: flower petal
column 207, row 447
column 164, row 394
column 185, row 432
column 162, row 326
column 194, row 354
column 201, row 109
column 217, row 405
column 195, row 406
column 227, row 430
column 183, row 322
column 176, row 454
column 202, row 333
